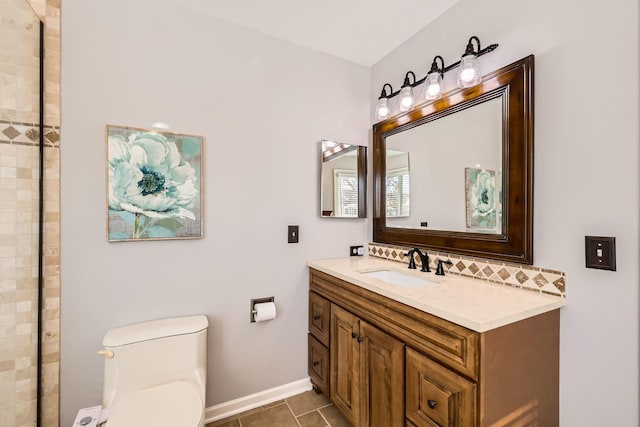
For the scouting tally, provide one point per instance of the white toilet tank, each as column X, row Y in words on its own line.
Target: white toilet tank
column 151, row 354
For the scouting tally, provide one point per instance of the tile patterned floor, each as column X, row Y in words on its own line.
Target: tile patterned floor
column 308, row 409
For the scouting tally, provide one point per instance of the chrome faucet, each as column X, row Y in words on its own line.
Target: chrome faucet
column 424, row 259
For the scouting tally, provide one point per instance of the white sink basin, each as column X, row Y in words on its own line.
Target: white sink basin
column 399, row 279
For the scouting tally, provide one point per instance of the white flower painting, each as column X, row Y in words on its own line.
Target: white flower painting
column 481, row 203
column 155, row 185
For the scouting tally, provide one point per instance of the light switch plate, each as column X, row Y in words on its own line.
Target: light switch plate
column 293, row 234
column 600, row 252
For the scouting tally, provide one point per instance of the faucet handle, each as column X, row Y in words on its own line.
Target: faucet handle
column 440, row 267
column 412, row 261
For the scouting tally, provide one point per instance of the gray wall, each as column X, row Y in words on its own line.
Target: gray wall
column 262, row 106
column 586, row 172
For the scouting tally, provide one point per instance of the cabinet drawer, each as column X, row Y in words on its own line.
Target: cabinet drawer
column 319, row 317
column 319, row 365
column 436, row 396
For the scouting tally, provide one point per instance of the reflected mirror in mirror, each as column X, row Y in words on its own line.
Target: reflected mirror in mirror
column 398, row 194
column 457, row 171
column 343, row 180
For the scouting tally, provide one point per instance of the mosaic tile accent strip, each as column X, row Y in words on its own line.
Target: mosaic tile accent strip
column 17, row 133
column 519, row 276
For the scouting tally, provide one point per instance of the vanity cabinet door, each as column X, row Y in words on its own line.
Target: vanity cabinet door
column 436, row 396
column 345, row 363
column 382, row 378
column 367, row 372
column 319, row 316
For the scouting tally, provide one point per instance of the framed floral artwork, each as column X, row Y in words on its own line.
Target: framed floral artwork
column 481, row 200
column 154, row 183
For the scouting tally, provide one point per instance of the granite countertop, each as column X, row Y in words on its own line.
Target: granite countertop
column 475, row 304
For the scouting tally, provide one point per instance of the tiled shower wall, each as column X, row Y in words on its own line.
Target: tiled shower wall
column 19, row 219
column 50, row 14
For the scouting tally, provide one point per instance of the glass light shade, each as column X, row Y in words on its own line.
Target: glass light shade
column 406, row 98
column 382, row 109
column 433, row 86
column 469, row 73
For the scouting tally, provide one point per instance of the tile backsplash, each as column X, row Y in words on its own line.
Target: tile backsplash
column 526, row 277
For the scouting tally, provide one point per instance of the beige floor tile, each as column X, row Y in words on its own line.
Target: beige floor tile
column 276, row 403
column 312, row 419
column 235, row 417
column 279, row 415
column 335, row 417
column 307, row 401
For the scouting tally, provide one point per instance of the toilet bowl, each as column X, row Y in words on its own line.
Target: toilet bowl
column 155, row 373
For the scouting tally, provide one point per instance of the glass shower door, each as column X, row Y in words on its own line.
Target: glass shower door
column 20, row 211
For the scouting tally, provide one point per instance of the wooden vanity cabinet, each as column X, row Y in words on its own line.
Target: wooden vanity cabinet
column 393, row 365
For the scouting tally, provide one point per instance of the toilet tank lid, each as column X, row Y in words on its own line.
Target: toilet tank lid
column 155, row 329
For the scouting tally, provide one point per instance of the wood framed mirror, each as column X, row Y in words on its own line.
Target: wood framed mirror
column 469, row 187
column 343, row 180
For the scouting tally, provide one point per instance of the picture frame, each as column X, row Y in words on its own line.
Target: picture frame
column 154, row 184
column 481, row 200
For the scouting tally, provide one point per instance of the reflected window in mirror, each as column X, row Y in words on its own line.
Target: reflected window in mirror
column 398, row 182
column 342, row 180
column 345, row 190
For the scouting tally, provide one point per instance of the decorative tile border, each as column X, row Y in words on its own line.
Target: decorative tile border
column 519, row 276
column 27, row 134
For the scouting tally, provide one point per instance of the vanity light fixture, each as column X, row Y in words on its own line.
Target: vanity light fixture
column 469, row 73
column 468, row 76
column 406, row 92
column 382, row 109
column 433, row 84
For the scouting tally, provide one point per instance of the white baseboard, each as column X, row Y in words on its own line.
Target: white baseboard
column 236, row 406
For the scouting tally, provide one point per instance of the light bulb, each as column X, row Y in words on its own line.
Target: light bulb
column 433, row 86
column 469, row 74
column 406, row 98
column 382, row 109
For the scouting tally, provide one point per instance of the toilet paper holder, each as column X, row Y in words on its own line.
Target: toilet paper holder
column 252, row 311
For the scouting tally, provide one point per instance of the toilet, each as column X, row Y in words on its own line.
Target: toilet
column 155, row 373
